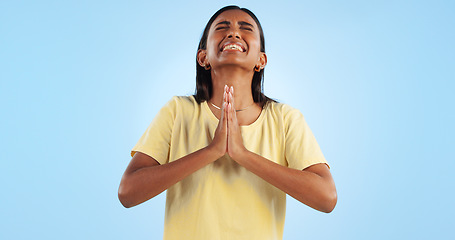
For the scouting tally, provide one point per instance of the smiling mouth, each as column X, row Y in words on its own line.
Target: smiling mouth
column 234, row 47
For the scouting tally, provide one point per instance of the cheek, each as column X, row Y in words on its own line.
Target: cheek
column 255, row 47
column 212, row 48
column 258, row 42
column 253, row 42
column 211, row 52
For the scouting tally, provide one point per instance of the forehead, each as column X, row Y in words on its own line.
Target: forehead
column 234, row 16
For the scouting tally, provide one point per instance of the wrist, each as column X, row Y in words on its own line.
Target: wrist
column 240, row 155
column 213, row 153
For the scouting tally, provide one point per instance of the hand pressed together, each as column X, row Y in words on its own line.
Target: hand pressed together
column 228, row 137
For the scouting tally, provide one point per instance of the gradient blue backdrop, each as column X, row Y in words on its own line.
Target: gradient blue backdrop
column 81, row 81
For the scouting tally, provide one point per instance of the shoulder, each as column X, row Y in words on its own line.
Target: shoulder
column 182, row 106
column 182, row 102
column 285, row 111
column 290, row 118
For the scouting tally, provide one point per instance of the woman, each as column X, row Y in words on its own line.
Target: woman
column 228, row 155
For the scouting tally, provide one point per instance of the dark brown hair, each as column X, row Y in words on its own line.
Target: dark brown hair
column 203, row 77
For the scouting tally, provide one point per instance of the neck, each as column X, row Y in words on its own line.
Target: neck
column 239, row 79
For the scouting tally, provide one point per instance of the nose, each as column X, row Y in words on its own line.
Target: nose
column 234, row 34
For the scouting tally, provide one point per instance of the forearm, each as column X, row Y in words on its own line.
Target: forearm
column 145, row 183
column 307, row 187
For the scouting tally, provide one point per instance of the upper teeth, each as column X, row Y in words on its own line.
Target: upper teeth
column 233, row 46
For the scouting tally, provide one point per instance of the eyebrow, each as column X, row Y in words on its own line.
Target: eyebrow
column 223, row 22
column 241, row 23
column 245, row 23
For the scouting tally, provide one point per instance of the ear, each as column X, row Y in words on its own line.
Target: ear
column 262, row 61
column 202, row 58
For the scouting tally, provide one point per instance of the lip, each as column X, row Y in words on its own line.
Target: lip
column 235, row 47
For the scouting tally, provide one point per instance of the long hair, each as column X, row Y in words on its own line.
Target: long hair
column 204, row 78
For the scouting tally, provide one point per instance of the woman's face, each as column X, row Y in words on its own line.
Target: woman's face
column 234, row 39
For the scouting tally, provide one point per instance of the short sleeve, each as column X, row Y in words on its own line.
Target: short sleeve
column 155, row 141
column 301, row 147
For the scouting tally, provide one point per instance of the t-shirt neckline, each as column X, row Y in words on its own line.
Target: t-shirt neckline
column 215, row 119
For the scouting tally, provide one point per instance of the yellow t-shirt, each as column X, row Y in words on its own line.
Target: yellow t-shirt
column 223, row 200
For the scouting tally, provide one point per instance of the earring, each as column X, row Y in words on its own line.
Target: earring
column 257, row 68
column 207, row 67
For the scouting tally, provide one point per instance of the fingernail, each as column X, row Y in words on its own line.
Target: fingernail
column 232, row 88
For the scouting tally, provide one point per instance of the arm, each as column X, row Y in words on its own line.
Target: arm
column 313, row 186
column 144, row 178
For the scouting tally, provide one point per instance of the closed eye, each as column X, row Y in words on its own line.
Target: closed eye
column 246, row 25
column 222, row 25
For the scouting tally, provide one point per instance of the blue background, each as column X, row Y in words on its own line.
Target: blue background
column 81, row 81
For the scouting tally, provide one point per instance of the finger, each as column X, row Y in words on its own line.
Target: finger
column 233, row 126
column 226, row 92
column 231, row 114
column 223, row 109
column 231, row 99
column 227, row 114
column 234, row 116
column 226, row 124
column 226, row 95
column 222, row 121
